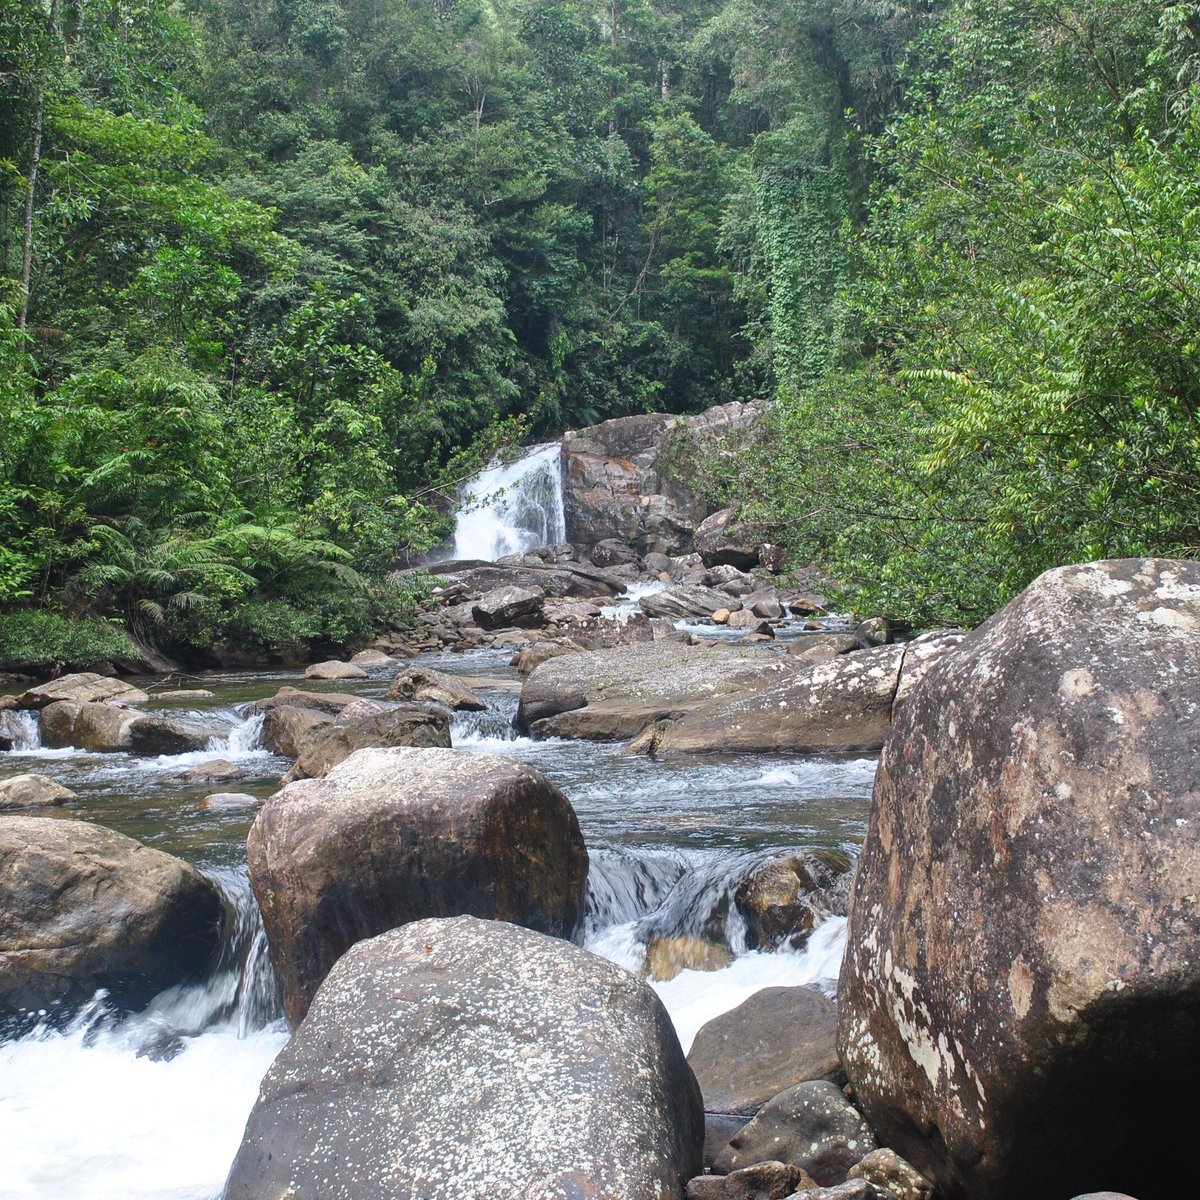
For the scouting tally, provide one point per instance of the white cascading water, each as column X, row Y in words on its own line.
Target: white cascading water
column 511, row 508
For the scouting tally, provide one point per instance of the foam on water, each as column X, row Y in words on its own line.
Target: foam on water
column 627, row 605
column 693, row 998
column 86, row 1117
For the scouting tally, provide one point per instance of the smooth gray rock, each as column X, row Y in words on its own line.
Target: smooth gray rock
column 473, row 1060
column 83, row 907
column 1021, row 947
column 32, row 791
column 508, row 606
column 683, row 600
column 166, row 735
column 396, row 835
column 333, row 669
column 82, row 688
column 812, row 1126
column 779, row 1037
column 614, row 693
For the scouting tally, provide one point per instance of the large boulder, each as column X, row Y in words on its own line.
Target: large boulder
column 367, row 725
column 613, row 694
column 82, row 688
column 843, row 704
column 630, row 478
column 683, row 600
column 471, row 1059
column 102, row 728
column 83, row 907
column 391, row 836
column 471, row 577
column 723, row 541
column 286, row 729
column 33, row 791
column 1020, row 998
column 167, row 735
column 434, row 687
column 779, row 1037
column 505, row 606
column 329, row 703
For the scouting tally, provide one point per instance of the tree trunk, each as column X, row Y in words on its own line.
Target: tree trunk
column 35, row 161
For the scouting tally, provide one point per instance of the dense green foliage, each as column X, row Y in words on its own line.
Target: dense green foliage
column 273, row 273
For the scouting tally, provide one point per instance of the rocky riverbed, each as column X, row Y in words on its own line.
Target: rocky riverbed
column 685, row 802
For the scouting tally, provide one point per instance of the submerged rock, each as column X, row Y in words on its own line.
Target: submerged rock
column 391, row 836
column 83, row 907
column 1020, row 997
column 474, row 1060
column 783, row 899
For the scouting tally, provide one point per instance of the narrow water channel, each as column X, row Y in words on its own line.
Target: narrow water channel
column 152, row 1107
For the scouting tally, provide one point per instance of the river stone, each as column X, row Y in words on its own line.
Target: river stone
column 83, row 907
column 779, row 1037
column 166, row 735
column 763, row 1181
column 390, row 836
column 286, row 729
column 365, row 725
column 474, row 1060
column 32, row 791
column 56, row 724
column 819, row 647
column 372, row 658
column 333, row 669
column 218, row 770
column 812, row 1126
column 434, row 687
column 508, row 606
column 667, row 957
column 683, row 600
column 783, row 899
column 185, row 694
column 1022, row 944
column 330, row 703
column 616, row 692
column 224, row 800
column 82, row 688
column 843, row 705
column 102, row 728
column 892, row 1175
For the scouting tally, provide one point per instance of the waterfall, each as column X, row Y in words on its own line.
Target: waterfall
column 22, row 729
column 514, row 508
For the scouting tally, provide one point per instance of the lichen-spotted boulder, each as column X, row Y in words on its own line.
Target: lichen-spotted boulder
column 470, row 1060
column 396, row 835
column 1019, row 1006
column 83, row 907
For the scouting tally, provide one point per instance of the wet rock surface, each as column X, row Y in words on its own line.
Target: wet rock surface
column 391, row 836
column 778, row 1038
column 784, row 899
column 1021, row 948
column 469, row 1059
column 83, row 907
